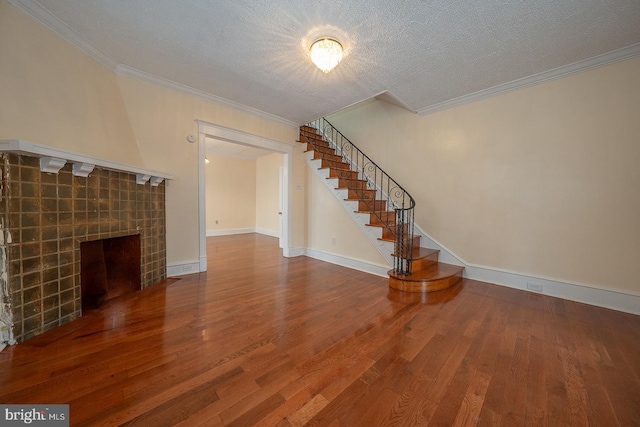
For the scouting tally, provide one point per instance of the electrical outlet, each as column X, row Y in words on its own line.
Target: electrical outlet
column 535, row 287
column 217, row 222
column 333, row 240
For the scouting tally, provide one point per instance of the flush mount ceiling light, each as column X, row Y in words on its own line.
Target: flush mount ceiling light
column 326, row 53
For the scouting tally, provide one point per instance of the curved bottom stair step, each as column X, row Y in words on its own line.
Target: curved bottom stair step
column 434, row 277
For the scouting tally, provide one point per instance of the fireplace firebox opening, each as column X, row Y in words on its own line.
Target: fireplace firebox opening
column 109, row 268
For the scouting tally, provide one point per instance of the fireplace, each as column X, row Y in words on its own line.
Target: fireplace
column 46, row 220
column 109, row 268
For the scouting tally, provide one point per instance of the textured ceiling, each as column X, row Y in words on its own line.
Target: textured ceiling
column 421, row 54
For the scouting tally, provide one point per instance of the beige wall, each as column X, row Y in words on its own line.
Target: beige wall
column 542, row 181
column 243, row 194
column 267, row 200
column 230, row 193
column 161, row 121
column 55, row 95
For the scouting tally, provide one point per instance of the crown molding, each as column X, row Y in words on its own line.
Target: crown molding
column 564, row 71
column 44, row 16
column 48, row 19
column 126, row 71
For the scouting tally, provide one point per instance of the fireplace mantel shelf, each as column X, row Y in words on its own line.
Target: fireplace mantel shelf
column 53, row 159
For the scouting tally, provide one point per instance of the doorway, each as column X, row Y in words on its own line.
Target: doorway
column 243, row 193
column 222, row 133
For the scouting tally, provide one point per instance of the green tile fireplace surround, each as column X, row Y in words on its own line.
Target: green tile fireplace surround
column 45, row 215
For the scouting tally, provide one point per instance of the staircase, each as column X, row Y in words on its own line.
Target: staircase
column 386, row 208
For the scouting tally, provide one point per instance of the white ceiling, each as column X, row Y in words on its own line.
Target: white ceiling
column 425, row 55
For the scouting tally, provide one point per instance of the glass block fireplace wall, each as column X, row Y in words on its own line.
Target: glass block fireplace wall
column 46, row 216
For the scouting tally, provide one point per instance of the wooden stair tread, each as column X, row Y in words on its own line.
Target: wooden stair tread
column 374, row 201
column 381, row 225
column 339, row 187
column 320, row 148
column 327, row 167
column 437, row 271
column 392, row 239
column 354, row 189
column 419, row 253
column 381, row 213
column 319, row 151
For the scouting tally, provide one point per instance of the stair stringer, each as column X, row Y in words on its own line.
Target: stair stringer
column 373, row 234
column 374, row 185
column 445, row 255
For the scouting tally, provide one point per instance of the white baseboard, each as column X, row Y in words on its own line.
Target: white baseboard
column 203, row 264
column 230, row 231
column 356, row 264
column 600, row 297
column 181, row 269
column 272, row 233
column 294, row 252
column 607, row 298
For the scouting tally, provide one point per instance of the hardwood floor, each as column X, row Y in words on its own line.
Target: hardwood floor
column 264, row 340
